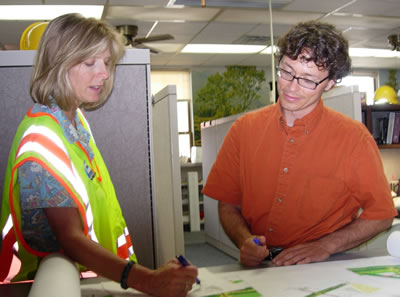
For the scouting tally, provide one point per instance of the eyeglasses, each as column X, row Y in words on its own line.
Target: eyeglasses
column 303, row 82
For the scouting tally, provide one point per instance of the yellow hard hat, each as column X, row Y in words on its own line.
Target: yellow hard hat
column 30, row 38
column 385, row 94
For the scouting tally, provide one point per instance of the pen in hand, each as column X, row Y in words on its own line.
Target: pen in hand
column 272, row 251
column 257, row 242
column 184, row 262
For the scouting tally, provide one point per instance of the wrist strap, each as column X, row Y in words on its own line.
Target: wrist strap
column 125, row 273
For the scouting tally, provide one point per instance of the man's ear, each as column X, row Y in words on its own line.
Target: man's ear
column 331, row 83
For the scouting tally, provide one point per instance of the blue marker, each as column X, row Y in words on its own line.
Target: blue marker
column 256, row 241
column 184, row 262
column 272, row 251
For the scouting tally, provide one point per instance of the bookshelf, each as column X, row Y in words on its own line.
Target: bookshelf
column 192, row 198
column 371, row 115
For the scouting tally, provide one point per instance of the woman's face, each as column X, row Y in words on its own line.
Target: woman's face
column 87, row 78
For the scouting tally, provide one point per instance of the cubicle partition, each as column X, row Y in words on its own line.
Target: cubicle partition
column 167, row 176
column 212, row 136
column 121, row 128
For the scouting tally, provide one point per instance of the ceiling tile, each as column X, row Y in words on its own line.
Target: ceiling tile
column 75, row 2
column 314, row 6
column 223, row 33
column 388, row 8
column 363, row 22
column 21, row 2
column 138, row 2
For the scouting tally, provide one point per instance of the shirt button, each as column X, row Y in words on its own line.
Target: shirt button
column 270, row 229
column 291, row 140
column 307, row 131
column 280, row 199
column 286, row 170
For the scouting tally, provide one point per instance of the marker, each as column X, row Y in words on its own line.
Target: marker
column 256, row 241
column 185, row 263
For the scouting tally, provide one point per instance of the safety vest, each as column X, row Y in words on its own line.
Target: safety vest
column 40, row 138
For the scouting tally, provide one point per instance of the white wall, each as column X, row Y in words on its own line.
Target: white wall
column 391, row 163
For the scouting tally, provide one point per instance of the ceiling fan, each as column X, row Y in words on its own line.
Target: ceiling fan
column 394, row 41
column 130, row 32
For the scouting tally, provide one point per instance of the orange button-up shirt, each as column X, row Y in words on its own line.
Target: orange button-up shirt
column 296, row 184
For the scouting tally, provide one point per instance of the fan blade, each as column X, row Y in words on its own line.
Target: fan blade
column 154, row 38
column 152, row 50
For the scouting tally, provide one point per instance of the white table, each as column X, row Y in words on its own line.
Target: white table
column 289, row 281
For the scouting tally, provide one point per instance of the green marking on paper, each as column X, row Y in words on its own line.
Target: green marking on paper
column 364, row 288
column 237, row 281
column 392, row 271
column 246, row 292
column 322, row 292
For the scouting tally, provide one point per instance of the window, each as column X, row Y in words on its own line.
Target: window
column 182, row 81
column 185, row 133
column 366, row 82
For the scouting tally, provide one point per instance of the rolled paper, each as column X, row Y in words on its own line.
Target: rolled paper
column 393, row 244
column 57, row 276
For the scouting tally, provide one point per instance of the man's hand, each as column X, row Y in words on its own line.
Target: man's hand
column 351, row 235
column 303, row 253
column 252, row 254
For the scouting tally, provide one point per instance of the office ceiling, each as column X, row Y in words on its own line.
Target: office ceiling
column 366, row 23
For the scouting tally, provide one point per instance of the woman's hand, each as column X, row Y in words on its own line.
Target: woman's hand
column 170, row 280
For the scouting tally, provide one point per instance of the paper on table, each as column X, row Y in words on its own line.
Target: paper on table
column 393, row 244
column 211, row 284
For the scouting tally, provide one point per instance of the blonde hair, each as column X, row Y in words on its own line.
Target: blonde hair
column 67, row 41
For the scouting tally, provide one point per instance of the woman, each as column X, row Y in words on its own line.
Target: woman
column 59, row 195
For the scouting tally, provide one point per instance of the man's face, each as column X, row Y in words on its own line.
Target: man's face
column 297, row 101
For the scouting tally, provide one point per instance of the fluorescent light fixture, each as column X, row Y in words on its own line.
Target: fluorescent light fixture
column 370, row 52
column 222, row 49
column 47, row 12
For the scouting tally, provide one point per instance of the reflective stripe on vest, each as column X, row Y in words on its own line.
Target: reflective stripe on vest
column 124, row 245
column 7, row 229
column 85, row 124
column 9, row 245
column 45, row 142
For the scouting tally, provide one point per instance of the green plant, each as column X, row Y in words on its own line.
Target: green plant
column 226, row 94
column 230, row 93
column 392, row 81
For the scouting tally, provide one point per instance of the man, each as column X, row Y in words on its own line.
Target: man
column 296, row 174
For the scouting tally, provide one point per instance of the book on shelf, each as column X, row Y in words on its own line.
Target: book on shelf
column 396, row 129
column 382, row 130
column 389, row 135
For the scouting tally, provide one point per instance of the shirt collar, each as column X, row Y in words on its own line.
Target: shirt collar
column 71, row 134
column 309, row 122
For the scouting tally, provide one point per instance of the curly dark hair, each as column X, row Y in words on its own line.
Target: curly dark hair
column 324, row 45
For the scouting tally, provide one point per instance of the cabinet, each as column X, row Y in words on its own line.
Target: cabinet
column 375, row 118
column 192, row 198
